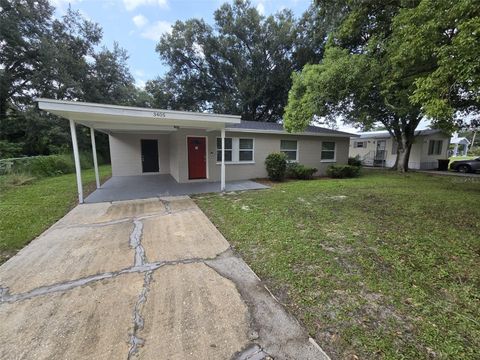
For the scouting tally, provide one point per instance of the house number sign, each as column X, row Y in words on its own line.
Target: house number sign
column 160, row 114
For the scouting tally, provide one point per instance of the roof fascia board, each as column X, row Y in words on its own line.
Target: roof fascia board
column 260, row 131
column 126, row 111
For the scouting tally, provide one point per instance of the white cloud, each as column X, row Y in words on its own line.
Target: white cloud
column 140, row 83
column 133, row 4
column 261, row 8
column 89, row 59
column 139, row 72
column 156, row 30
column 140, row 20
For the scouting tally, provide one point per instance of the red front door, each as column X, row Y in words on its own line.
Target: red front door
column 197, row 158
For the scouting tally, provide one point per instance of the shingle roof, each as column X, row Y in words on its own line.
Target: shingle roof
column 270, row 126
column 385, row 134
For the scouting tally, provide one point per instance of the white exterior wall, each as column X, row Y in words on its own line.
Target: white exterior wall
column 126, row 154
column 173, row 156
column 419, row 158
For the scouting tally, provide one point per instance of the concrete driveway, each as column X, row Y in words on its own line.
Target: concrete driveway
column 144, row 279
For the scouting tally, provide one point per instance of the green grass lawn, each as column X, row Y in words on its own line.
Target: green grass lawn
column 27, row 210
column 383, row 266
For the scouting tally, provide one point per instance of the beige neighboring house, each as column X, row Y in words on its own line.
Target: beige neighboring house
column 188, row 145
column 379, row 149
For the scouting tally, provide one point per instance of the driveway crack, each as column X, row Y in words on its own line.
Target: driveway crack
column 138, row 320
column 166, row 203
column 145, row 267
column 136, row 243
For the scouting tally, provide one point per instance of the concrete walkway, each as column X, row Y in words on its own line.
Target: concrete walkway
column 148, row 186
column 145, row 279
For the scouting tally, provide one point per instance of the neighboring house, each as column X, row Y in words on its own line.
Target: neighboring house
column 460, row 146
column 188, row 145
column 379, row 149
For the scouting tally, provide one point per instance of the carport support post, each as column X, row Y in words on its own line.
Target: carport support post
column 94, row 152
column 222, row 173
column 76, row 157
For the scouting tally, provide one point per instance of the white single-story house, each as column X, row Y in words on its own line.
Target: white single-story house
column 460, row 146
column 379, row 149
column 195, row 147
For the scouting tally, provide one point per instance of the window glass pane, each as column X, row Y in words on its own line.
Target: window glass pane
column 328, row 155
column 439, row 147
column 246, row 143
column 431, row 144
column 291, row 155
column 394, row 148
column 228, row 155
column 246, row 155
column 288, row 144
column 328, row 145
column 228, row 143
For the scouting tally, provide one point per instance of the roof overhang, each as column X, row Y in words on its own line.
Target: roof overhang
column 113, row 118
column 304, row 133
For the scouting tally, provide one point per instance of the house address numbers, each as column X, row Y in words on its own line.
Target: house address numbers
column 159, row 114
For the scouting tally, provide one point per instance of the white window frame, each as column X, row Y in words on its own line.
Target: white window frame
column 435, row 147
column 252, row 150
column 220, row 149
column 236, row 150
column 334, row 152
column 286, row 150
column 364, row 144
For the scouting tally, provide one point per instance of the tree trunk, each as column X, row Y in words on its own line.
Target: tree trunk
column 403, row 155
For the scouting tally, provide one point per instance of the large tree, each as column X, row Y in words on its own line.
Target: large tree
column 241, row 65
column 45, row 56
column 380, row 68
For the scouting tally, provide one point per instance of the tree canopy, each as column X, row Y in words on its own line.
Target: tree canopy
column 241, row 65
column 389, row 62
column 44, row 56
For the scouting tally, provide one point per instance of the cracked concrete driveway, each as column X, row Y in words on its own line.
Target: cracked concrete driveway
column 144, row 279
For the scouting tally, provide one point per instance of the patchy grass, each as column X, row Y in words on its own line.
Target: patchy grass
column 385, row 266
column 28, row 206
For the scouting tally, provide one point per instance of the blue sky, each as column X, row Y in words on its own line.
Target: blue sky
column 137, row 24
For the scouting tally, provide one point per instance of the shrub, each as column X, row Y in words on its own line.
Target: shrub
column 276, row 165
column 9, row 149
column 299, row 171
column 474, row 151
column 343, row 171
column 43, row 166
column 47, row 165
column 354, row 161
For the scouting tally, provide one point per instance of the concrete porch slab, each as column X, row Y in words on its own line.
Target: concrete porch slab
column 149, row 186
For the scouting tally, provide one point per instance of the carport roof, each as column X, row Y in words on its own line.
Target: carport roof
column 114, row 118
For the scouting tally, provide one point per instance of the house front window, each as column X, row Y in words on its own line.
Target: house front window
column 245, row 152
column 359, row 144
column 237, row 150
column 289, row 148
column 435, row 147
column 328, row 151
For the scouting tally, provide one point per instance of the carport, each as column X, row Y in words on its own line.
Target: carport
column 164, row 185
column 115, row 119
